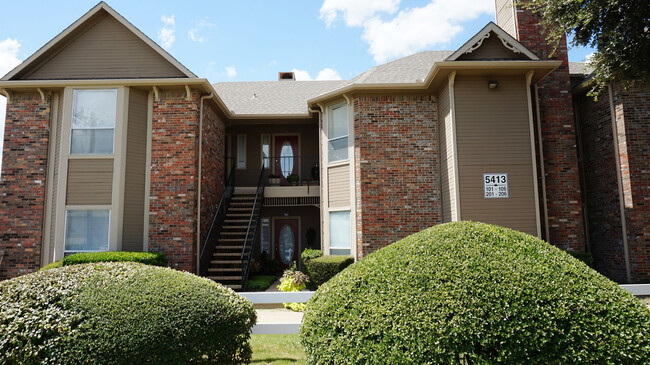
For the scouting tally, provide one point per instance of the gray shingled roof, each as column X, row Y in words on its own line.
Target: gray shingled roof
column 579, row 68
column 290, row 97
column 271, row 97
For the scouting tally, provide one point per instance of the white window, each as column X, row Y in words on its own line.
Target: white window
column 86, row 230
column 93, row 121
column 340, row 233
column 266, row 150
column 241, row 151
column 337, row 133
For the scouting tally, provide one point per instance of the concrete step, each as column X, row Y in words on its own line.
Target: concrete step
column 226, row 278
column 226, row 262
column 224, row 269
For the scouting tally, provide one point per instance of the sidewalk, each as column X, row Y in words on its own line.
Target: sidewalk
column 275, row 313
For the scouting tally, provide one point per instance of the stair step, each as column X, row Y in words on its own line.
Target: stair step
column 217, row 262
column 233, row 287
column 237, row 215
column 224, row 269
column 226, row 278
column 248, row 203
column 235, row 247
column 236, row 221
column 234, row 227
column 239, row 240
column 234, row 254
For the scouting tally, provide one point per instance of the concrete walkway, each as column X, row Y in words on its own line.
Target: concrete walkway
column 275, row 313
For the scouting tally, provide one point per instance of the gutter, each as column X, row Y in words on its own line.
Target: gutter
column 200, row 173
column 619, row 180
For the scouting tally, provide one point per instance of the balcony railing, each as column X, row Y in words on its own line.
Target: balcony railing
column 292, row 170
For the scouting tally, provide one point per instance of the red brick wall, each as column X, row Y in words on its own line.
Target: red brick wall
column 601, row 183
column 565, row 219
column 22, row 184
column 397, row 168
column 633, row 125
column 213, row 179
column 174, row 169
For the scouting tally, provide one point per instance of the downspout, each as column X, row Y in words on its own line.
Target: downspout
column 621, row 199
column 198, row 198
column 320, row 167
column 529, row 77
column 541, row 163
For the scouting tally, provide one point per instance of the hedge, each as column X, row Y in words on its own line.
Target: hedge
column 148, row 258
column 321, row 269
column 309, row 254
column 473, row 293
column 260, row 282
column 121, row 313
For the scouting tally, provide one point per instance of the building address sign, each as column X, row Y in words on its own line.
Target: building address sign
column 495, row 185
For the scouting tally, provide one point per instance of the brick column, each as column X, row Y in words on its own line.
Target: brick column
column 397, row 168
column 22, row 184
column 565, row 218
column 174, row 169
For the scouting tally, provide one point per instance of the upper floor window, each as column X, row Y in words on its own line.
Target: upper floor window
column 337, row 133
column 93, row 121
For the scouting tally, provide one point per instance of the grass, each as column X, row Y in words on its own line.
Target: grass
column 277, row 350
column 260, row 282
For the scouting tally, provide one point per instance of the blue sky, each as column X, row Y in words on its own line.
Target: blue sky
column 254, row 40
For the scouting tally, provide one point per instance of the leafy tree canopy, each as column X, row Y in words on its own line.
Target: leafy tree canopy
column 618, row 29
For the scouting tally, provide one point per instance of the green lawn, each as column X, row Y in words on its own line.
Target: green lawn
column 277, row 349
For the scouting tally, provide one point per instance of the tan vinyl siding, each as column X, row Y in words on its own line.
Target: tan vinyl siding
column 338, row 184
column 134, row 183
column 55, row 181
column 447, row 175
column 505, row 16
column 492, row 49
column 90, row 182
column 493, row 136
column 104, row 49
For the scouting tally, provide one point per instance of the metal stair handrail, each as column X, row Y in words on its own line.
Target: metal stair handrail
column 252, row 231
column 217, row 223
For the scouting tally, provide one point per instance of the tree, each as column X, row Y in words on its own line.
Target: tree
column 618, row 29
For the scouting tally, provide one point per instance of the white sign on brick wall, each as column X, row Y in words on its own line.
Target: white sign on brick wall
column 495, row 185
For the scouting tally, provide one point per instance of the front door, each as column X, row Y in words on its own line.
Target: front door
column 286, row 241
column 287, row 157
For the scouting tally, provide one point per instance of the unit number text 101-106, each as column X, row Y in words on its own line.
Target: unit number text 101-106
column 495, row 185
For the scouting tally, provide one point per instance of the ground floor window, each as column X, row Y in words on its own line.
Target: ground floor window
column 340, row 232
column 86, row 230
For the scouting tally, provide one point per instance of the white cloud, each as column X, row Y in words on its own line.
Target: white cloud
column 324, row 74
column 301, row 75
column 8, row 60
column 589, row 57
column 328, row 74
column 231, row 71
column 409, row 31
column 192, row 33
column 166, row 33
column 355, row 12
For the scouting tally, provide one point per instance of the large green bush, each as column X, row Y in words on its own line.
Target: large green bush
column 477, row 294
column 148, row 258
column 121, row 313
column 321, row 269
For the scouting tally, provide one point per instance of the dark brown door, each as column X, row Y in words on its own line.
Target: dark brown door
column 286, row 157
column 286, row 241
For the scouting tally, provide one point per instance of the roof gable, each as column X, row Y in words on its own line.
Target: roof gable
column 99, row 45
column 492, row 43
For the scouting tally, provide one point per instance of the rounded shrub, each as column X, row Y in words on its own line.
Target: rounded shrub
column 473, row 293
column 121, row 313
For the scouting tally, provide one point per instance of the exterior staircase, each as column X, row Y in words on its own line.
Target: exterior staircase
column 229, row 260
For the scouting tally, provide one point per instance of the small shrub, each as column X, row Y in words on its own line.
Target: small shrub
column 309, row 254
column 322, row 269
column 473, row 293
column 291, row 281
column 260, row 282
column 121, row 313
column 147, row 258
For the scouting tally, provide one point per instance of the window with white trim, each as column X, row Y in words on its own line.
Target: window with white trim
column 337, row 133
column 266, row 150
column 93, row 121
column 340, row 232
column 241, row 151
column 86, row 230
